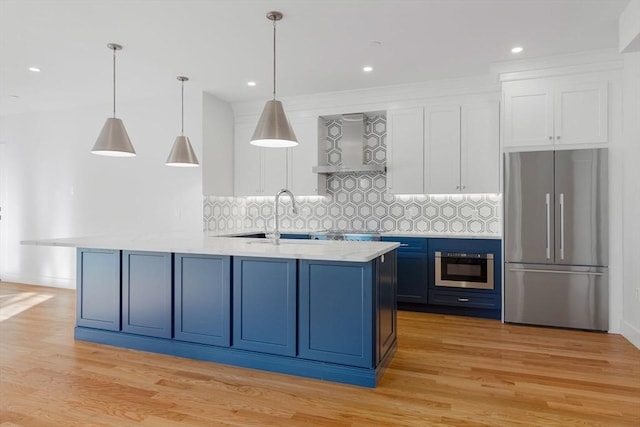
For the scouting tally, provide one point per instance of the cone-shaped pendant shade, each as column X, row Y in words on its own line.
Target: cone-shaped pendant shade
column 273, row 128
column 182, row 154
column 113, row 140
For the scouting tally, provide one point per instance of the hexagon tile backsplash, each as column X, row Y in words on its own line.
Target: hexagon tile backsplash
column 359, row 202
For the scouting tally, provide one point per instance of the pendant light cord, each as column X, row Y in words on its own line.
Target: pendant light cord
column 274, row 58
column 114, row 82
column 182, row 107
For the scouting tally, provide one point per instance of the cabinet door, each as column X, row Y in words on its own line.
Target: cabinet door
column 147, row 293
column 336, row 312
column 480, row 148
column 412, row 269
column 302, row 158
column 581, row 113
column 264, row 305
column 202, row 299
column 442, row 149
column 247, row 163
column 528, row 114
column 405, row 151
column 98, row 280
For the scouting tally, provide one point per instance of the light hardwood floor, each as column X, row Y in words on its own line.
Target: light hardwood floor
column 448, row 371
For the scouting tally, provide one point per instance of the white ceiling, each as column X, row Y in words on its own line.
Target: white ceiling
column 322, row 44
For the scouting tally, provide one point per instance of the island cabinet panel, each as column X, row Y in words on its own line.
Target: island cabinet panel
column 386, row 311
column 202, row 299
column 336, row 312
column 147, row 293
column 264, row 305
column 98, row 278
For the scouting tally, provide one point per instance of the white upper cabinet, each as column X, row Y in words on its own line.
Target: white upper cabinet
column 580, row 113
column 405, row 151
column 258, row 171
column 444, row 149
column 542, row 112
column 480, row 148
column 303, row 157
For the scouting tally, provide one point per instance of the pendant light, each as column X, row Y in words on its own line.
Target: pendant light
column 273, row 129
column 113, row 139
column 182, row 154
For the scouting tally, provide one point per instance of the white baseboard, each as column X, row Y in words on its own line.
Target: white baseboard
column 631, row 333
column 54, row 282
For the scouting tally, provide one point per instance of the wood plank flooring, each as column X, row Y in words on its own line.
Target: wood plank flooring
column 448, row 371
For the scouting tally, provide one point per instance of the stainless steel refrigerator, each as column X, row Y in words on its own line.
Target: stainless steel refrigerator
column 556, row 238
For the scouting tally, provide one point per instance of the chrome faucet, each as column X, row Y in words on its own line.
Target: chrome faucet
column 276, row 219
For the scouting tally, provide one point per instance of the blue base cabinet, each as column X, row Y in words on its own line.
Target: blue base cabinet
column 264, row 305
column 413, row 269
column 347, row 311
column 479, row 302
column 202, row 299
column 147, row 300
column 98, row 293
column 329, row 320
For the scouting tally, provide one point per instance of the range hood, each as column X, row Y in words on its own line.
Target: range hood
column 352, row 147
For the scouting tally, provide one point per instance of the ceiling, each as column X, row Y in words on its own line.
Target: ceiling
column 322, row 44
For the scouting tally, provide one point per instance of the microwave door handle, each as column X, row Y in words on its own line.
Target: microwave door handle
column 561, row 225
column 547, row 203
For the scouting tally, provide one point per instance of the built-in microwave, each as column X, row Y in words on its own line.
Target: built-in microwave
column 464, row 270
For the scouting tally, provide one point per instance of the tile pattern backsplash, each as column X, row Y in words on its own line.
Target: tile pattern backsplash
column 355, row 202
column 358, row 201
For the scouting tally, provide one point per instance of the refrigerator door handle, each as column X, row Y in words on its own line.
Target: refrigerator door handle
column 561, row 225
column 547, row 203
column 533, row 270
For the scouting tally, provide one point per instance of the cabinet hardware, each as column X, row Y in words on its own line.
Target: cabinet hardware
column 558, row 137
column 533, row 270
column 547, row 202
column 463, row 299
column 404, row 244
column 550, row 138
column 561, row 226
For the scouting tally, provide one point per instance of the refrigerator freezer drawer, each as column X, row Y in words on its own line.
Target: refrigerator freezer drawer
column 564, row 296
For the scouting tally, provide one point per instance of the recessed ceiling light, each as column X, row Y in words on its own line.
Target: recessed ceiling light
column 251, row 84
column 367, row 69
column 34, row 69
column 517, row 49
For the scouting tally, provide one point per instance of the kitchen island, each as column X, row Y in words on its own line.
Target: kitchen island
column 320, row 309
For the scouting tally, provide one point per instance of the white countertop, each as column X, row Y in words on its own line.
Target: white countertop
column 429, row 234
column 201, row 243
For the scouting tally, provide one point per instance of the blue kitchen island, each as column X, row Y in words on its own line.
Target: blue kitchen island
column 319, row 309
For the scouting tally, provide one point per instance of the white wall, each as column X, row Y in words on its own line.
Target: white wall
column 217, row 146
column 55, row 187
column 631, row 191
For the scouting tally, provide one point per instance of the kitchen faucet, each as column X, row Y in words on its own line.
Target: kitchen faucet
column 276, row 219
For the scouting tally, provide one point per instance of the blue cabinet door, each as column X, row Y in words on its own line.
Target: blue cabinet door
column 386, row 311
column 147, row 293
column 264, row 305
column 336, row 312
column 202, row 299
column 98, row 283
column 413, row 269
